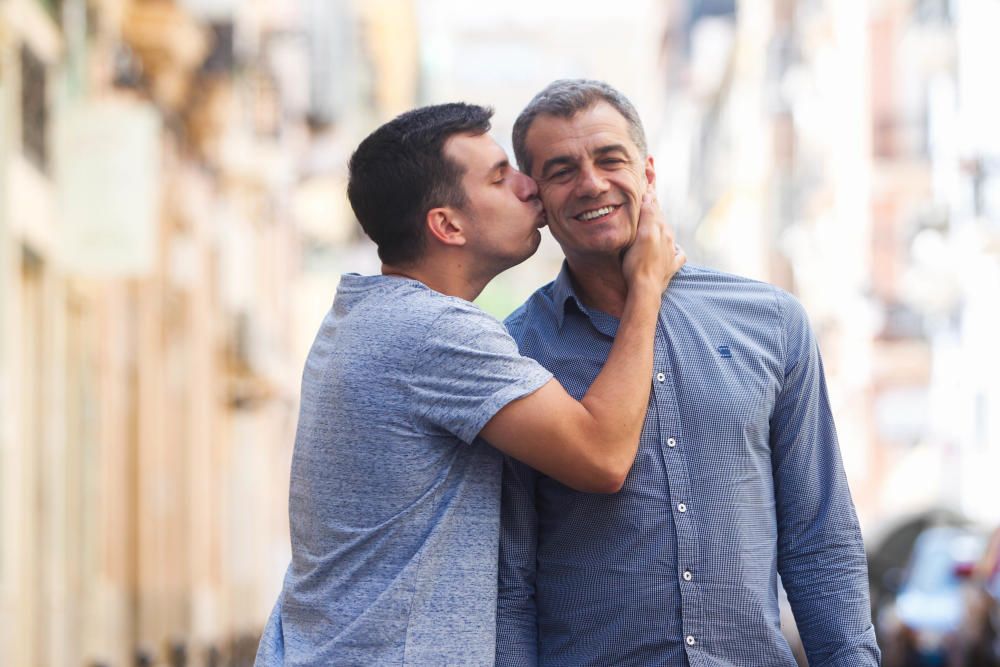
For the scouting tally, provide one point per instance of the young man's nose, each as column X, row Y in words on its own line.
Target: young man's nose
column 526, row 187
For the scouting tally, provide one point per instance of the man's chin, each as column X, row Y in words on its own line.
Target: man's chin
column 529, row 251
column 609, row 247
column 536, row 241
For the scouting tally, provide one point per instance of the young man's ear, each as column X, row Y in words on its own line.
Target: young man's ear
column 446, row 226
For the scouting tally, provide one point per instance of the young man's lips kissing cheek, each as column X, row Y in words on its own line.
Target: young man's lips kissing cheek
column 542, row 218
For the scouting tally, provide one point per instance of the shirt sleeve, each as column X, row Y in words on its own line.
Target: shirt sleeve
column 517, row 618
column 469, row 369
column 821, row 557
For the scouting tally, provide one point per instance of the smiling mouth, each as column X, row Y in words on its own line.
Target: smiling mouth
column 594, row 214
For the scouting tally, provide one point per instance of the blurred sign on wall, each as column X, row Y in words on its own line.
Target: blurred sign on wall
column 108, row 175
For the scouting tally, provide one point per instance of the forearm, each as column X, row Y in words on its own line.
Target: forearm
column 823, row 567
column 821, row 556
column 828, row 591
column 616, row 401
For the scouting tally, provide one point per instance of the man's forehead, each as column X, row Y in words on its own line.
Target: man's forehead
column 475, row 152
column 591, row 129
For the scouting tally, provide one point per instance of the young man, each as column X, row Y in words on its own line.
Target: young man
column 394, row 500
column 738, row 476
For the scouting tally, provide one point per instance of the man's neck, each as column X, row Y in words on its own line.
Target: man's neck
column 600, row 284
column 447, row 277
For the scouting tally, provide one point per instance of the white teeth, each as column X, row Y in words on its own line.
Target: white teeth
column 590, row 215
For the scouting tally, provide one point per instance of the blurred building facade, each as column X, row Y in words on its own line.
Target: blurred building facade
column 162, row 200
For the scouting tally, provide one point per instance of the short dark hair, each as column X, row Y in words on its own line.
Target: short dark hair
column 564, row 98
column 399, row 172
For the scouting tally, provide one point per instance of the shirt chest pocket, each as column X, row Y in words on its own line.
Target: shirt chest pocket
column 726, row 410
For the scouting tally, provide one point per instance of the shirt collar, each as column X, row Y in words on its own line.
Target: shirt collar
column 564, row 293
column 566, row 297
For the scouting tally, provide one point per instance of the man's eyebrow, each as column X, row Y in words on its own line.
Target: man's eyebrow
column 499, row 165
column 555, row 161
column 611, row 148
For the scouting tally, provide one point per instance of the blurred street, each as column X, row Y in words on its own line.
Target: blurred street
column 173, row 224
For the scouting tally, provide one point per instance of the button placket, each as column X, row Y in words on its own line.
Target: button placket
column 678, row 481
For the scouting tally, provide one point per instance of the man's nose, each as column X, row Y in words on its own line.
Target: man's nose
column 590, row 182
column 527, row 189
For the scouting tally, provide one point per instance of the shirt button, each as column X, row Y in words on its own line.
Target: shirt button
column 660, row 377
column 671, row 442
column 690, row 640
column 682, row 507
column 687, row 575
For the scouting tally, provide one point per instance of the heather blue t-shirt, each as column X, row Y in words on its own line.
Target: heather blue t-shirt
column 394, row 500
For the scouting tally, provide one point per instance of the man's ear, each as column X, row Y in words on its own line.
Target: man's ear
column 446, row 226
column 650, row 172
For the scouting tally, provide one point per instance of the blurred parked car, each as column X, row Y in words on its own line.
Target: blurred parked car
column 921, row 624
column 889, row 552
column 979, row 645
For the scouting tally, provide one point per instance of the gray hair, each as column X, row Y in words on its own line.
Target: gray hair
column 563, row 99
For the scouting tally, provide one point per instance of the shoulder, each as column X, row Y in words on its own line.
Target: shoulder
column 394, row 318
column 458, row 317
column 762, row 310
column 733, row 297
column 742, row 307
column 457, row 330
column 428, row 310
column 700, row 281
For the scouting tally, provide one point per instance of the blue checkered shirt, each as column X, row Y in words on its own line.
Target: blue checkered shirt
column 738, row 478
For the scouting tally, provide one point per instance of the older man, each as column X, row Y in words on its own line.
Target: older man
column 738, row 477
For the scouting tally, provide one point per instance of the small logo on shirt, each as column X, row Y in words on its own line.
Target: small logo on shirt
column 725, row 352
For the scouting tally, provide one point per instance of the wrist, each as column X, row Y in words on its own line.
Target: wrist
column 645, row 284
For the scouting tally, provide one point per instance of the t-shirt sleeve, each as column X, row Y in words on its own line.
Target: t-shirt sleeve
column 467, row 371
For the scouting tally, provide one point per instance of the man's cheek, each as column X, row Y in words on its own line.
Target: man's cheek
column 544, row 193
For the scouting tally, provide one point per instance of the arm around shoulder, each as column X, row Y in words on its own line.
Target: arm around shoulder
column 554, row 433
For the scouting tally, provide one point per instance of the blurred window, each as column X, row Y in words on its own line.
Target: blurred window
column 221, row 59
column 34, row 111
column 54, row 8
column 933, row 11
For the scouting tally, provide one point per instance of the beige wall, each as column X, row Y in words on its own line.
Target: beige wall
column 143, row 455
